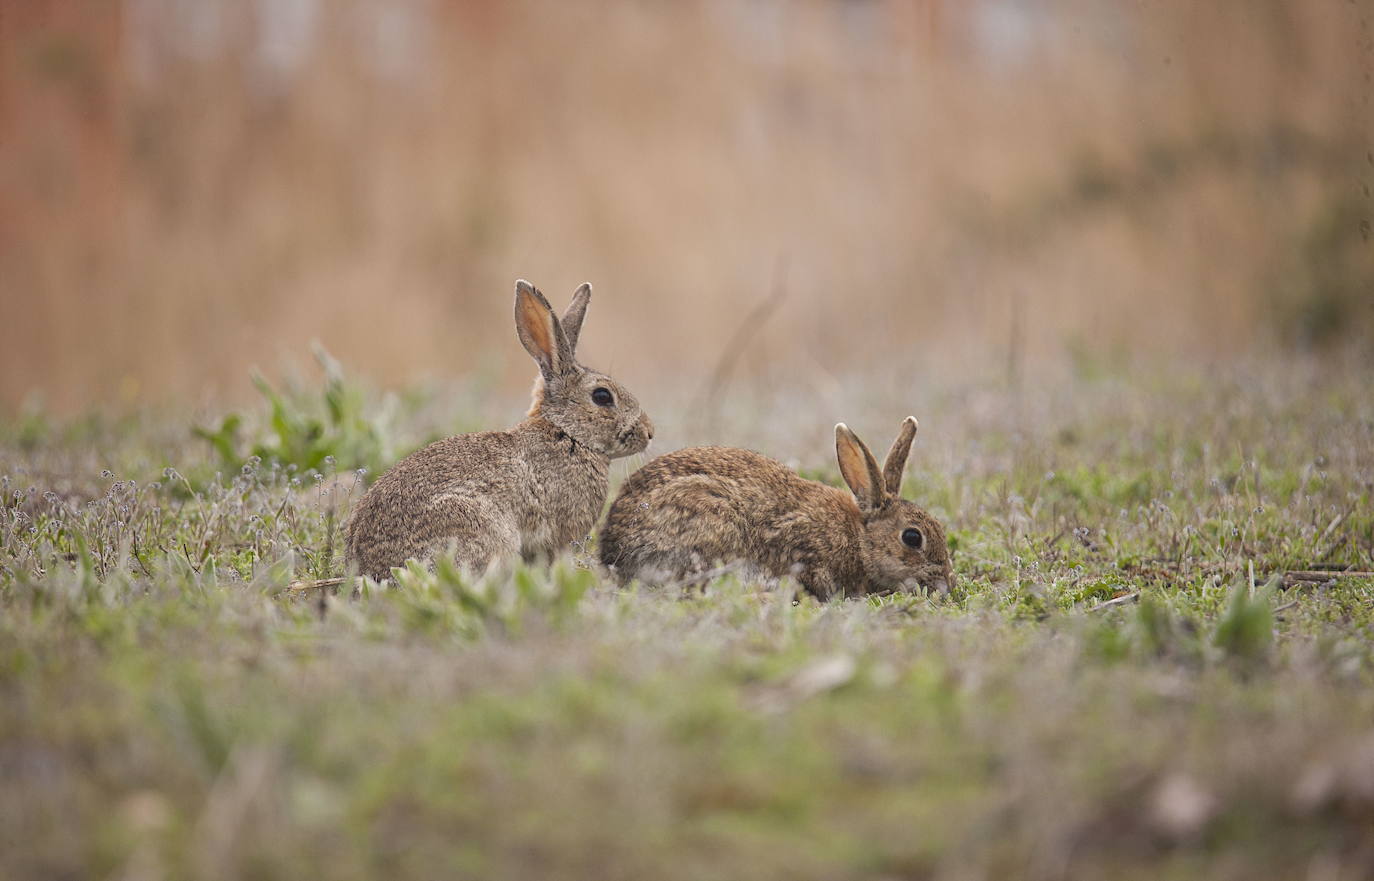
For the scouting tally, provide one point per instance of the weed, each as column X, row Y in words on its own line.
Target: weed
column 313, row 433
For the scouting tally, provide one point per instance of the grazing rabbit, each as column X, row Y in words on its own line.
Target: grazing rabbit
column 689, row 511
column 531, row 490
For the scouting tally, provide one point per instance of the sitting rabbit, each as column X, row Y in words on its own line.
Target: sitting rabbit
column 529, row 491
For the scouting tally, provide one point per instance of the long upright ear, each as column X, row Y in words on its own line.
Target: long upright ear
column 894, row 466
column 859, row 469
column 577, row 310
column 540, row 331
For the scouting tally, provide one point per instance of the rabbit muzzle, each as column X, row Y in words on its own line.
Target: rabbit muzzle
column 635, row 439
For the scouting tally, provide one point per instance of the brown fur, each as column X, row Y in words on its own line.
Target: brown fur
column 532, row 490
column 687, row 512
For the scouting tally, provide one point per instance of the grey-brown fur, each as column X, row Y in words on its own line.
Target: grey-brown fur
column 530, row 491
column 690, row 511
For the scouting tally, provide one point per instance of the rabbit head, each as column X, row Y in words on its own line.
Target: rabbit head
column 590, row 407
column 902, row 546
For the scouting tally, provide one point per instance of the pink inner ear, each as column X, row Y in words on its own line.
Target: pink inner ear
column 535, row 320
column 854, row 468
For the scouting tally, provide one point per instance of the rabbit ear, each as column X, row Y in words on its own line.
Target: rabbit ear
column 859, row 469
column 540, row 331
column 894, row 466
column 577, row 310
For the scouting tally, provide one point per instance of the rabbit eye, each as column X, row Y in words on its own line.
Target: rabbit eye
column 913, row 538
column 602, row 397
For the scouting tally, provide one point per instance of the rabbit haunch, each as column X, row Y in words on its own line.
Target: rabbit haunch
column 530, row 491
column 688, row 512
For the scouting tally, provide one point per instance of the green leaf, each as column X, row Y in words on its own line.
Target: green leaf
column 1245, row 630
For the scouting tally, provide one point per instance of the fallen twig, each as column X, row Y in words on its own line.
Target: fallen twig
column 1320, row 576
column 1116, row 601
column 316, row 584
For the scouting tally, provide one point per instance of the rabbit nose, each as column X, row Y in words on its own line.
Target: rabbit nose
column 940, row 586
column 648, row 427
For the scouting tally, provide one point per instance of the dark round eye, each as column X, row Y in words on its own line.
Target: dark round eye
column 602, row 397
column 912, row 538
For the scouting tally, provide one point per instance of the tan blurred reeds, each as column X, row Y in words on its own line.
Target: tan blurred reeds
column 188, row 189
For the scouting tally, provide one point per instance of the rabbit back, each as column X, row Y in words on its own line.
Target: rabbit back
column 456, row 492
column 692, row 510
column 530, row 491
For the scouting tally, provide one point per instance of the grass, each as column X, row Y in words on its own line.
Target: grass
column 168, row 708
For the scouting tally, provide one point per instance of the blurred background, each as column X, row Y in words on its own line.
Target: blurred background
column 785, row 191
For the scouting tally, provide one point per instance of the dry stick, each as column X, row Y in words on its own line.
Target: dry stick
column 739, row 342
column 1116, row 601
column 1330, row 528
column 1336, row 546
column 313, row 585
column 1319, row 576
column 1057, row 536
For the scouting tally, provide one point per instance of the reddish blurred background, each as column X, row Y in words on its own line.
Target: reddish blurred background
column 188, row 189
